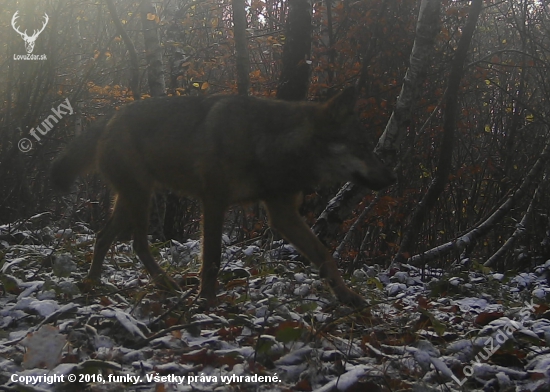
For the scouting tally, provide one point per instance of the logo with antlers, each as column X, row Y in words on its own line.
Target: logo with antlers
column 29, row 40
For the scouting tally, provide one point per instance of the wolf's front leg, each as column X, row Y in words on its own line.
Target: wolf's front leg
column 284, row 216
column 212, row 225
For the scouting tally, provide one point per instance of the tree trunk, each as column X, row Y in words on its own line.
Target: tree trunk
column 134, row 63
column 155, row 78
column 153, row 50
column 294, row 80
column 449, row 124
column 241, row 46
column 427, row 28
column 350, row 195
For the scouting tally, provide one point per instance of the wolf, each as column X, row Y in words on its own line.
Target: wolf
column 223, row 150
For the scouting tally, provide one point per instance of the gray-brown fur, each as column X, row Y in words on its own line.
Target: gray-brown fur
column 224, row 150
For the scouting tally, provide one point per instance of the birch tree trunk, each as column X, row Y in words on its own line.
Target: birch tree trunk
column 449, row 124
column 349, row 195
column 427, row 28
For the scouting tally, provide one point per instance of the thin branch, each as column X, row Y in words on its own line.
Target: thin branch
column 484, row 227
column 520, row 231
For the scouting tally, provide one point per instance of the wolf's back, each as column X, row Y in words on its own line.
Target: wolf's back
column 78, row 158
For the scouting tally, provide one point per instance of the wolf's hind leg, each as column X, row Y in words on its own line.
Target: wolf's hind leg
column 129, row 213
column 138, row 205
column 118, row 222
column 284, row 216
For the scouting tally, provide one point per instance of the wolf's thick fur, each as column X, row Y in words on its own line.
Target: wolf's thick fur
column 224, row 150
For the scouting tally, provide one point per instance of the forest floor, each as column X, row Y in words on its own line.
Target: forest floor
column 276, row 326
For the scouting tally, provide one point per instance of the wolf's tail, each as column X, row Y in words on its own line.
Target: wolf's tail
column 78, row 158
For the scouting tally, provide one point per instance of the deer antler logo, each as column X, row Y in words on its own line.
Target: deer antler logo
column 29, row 41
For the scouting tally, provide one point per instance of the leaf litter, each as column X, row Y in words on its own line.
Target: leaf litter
column 276, row 326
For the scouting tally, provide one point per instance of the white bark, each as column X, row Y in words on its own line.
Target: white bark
column 349, row 195
column 519, row 232
column 483, row 228
column 426, row 29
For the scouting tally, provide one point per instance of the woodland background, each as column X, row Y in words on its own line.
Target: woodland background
column 471, row 164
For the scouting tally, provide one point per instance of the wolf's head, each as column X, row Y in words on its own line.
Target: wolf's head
column 350, row 155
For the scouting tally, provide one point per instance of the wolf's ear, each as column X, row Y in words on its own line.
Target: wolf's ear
column 341, row 106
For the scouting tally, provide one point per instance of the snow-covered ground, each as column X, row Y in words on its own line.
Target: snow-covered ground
column 276, row 327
